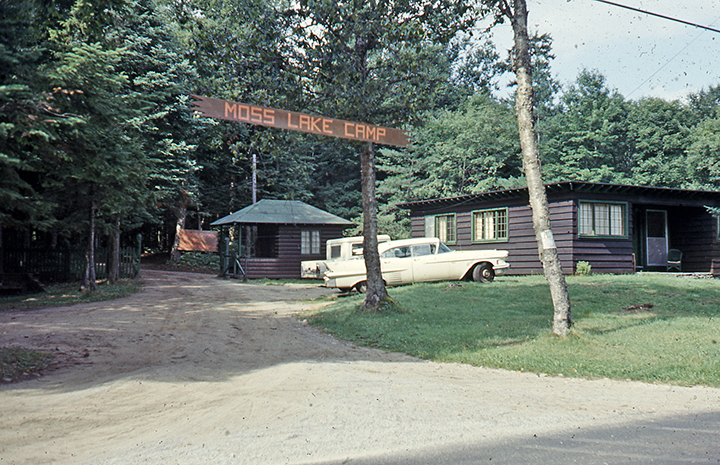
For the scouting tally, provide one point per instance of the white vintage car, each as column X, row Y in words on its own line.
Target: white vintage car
column 343, row 248
column 419, row 260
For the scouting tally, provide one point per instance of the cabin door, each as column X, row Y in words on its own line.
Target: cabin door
column 657, row 242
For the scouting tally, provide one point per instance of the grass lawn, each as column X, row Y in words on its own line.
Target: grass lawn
column 17, row 362
column 649, row 327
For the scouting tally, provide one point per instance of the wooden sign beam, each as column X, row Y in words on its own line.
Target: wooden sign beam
column 294, row 121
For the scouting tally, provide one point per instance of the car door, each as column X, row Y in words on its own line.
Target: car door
column 427, row 265
column 396, row 266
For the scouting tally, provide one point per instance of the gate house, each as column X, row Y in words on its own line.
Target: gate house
column 616, row 228
column 282, row 234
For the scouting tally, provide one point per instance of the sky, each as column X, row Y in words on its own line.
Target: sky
column 640, row 55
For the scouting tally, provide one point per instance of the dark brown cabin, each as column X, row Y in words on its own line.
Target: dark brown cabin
column 272, row 237
column 617, row 229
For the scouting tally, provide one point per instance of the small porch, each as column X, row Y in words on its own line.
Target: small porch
column 660, row 232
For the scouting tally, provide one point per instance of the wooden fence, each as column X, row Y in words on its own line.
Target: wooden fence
column 62, row 265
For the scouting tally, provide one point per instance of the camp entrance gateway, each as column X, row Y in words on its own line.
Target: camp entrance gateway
column 294, row 121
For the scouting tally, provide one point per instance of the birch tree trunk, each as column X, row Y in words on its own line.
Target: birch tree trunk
column 376, row 292
column 562, row 319
column 182, row 214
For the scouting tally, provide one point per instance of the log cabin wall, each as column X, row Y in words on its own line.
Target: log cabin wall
column 286, row 263
column 690, row 227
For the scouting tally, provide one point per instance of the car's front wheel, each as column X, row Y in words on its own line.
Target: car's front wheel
column 483, row 273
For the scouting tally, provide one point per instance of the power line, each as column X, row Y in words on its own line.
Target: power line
column 660, row 16
column 663, row 66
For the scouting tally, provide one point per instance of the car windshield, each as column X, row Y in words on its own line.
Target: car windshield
column 443, row 248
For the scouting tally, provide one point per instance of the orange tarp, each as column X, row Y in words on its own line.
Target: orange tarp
column 197, row 241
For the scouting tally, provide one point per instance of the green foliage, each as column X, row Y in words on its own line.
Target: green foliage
column 70, row 294
column 703, row 155
column 596, row 135
column 476, row 65
column 24, row 126
column 200, row 260
column 642, row 327
column 468, row 150
column 659, row 135
column 16, row 363
column 587, row 139
column 94, row 101
column 583, row 268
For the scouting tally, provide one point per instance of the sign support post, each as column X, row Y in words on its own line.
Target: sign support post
column 325, row 126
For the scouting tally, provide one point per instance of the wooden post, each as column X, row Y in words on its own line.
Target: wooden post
column 139, row 254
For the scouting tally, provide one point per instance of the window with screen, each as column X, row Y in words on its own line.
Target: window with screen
column 602, row 219
column 490, row 225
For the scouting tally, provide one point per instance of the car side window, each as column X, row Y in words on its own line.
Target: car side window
column 397, row 252
column 422, row 249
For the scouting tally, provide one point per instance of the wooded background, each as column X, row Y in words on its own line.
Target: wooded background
column 96, row 125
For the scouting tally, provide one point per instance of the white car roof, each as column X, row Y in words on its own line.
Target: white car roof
column 407, row 242
column 356, row 239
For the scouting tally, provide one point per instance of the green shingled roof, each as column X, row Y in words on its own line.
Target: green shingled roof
column 281, row 212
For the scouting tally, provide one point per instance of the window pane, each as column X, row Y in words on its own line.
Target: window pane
column 335, row 251
column 502, row 225
column 429, row 226
column 305, row 242
column 420, row 250
column 655, row 224
column 316, row 242
column 489, row 225
column 450, row 233
column 478, row 226
column 441, row 228
column 401, row 252
column 602, row 220
column 585, row 219
column 617, row 220
column 309, row 242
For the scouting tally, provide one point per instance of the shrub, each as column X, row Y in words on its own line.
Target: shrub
column 583, row 269
column 200, row 260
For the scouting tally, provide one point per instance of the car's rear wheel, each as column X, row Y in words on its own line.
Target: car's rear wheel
column 361, row 287
column 483, row 273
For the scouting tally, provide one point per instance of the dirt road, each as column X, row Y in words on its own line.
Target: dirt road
column 194, row 369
